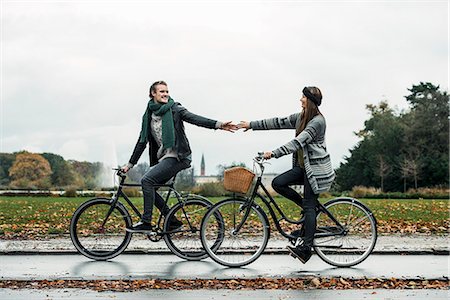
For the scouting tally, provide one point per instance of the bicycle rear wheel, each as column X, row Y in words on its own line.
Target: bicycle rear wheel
column 185, row 241
column 351, row 239
column 237, row 248
column 94, row 239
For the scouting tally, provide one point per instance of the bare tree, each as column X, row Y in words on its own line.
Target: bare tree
column 383, row 170
column 410, row 168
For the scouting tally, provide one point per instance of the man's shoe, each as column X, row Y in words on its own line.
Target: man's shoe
column 141, row 227
column 174, row 224
column 303, row 253
column 298, row 233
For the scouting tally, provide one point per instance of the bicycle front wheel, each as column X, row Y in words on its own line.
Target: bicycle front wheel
column 238, row 247
column 96, row 237
column 185, row 241
column 350, row 237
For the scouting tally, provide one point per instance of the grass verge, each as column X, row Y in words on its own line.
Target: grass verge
column 41, row 217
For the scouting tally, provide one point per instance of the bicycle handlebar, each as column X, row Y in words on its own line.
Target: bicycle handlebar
column 260, row 160
column 120, row 173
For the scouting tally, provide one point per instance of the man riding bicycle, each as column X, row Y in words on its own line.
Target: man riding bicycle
column 163, row 129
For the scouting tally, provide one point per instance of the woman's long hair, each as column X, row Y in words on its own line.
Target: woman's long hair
column 310, row 111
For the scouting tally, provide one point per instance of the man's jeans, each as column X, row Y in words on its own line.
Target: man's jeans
column 159, row 174
column 281, row 184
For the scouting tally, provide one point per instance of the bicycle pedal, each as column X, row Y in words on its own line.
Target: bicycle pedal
column 298, row 242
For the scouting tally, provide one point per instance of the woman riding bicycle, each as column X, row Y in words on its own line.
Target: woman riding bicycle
column 163, row 129
column 312, row 166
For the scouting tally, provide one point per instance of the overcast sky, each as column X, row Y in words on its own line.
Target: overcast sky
column 75, row 74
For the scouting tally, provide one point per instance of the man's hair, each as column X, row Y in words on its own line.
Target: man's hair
column 153, row 87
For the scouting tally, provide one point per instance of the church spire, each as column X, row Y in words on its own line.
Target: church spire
column 202, row 166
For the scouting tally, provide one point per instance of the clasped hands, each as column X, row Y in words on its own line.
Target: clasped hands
column 229, row 126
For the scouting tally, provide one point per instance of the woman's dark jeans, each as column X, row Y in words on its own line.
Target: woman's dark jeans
column 159, row 174
column 296, row 176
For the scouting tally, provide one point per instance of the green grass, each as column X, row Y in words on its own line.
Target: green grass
column 32, row 217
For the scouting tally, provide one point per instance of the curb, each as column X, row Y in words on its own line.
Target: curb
column 267, row 251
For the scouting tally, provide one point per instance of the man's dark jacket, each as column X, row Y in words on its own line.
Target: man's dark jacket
column 181, row 146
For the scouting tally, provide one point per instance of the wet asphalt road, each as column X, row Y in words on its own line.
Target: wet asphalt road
column 145, row 266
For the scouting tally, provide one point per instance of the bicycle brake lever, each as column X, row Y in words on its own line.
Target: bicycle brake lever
column 260, row 156
column 120, row 173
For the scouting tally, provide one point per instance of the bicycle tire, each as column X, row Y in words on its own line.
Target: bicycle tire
column 97, row 242
column 185, row 242
column 354, row 243
column 236, row 249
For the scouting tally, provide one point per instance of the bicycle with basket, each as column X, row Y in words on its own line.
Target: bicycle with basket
column 235, row 231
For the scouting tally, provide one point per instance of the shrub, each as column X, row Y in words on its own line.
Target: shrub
column 364, row 192
column 421, row 193
column 211, row 189
column 326, row 195
column 433, row 193
column 132, row 192
column 103, row 195
column 70, row 192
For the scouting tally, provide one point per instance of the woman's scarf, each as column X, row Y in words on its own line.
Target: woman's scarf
column 165, row 111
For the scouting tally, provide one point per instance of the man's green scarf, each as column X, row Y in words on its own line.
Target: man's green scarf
column 165, row 111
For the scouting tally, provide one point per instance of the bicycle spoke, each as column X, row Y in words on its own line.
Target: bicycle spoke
column 237, row 248
column 185, row 242
column 95, row 237
column 357, row 240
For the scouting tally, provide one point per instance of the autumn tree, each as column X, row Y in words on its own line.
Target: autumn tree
column 30, row 170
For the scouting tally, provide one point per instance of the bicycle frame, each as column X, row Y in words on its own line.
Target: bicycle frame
column 272, row 210
column 120, row 193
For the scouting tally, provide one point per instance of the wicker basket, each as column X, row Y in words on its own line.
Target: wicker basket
column 238, row 180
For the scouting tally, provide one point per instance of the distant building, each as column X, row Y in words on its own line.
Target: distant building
column 202, row 179
column 199, row 180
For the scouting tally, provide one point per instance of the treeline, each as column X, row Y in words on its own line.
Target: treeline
column 403, row 150
column 398, row 151
column 25, row 170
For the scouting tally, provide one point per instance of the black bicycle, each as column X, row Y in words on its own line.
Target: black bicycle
column 98, row 226
column 346, row 229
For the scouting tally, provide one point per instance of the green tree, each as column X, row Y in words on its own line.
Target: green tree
column 62, row 172
column 30, row 170
column 137, row 172
column 397, row 149
column 87, row 173
column 427, row 133
column 374, row 159
column 6, row 162
column 185, row 179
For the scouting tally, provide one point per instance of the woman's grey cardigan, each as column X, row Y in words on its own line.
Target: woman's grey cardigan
column 317, row 161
